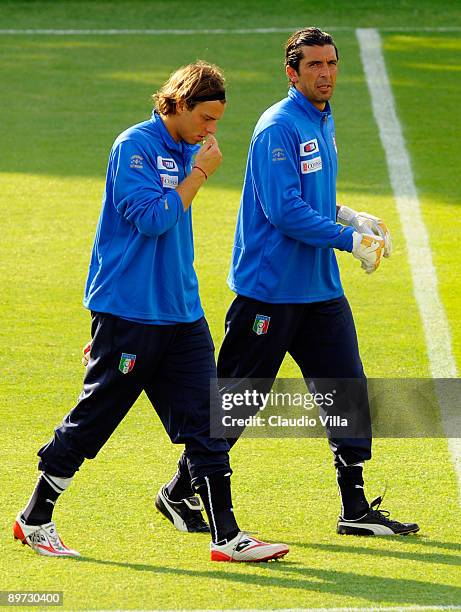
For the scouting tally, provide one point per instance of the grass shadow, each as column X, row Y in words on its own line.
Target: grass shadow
column 424, row 557
column 332, row 582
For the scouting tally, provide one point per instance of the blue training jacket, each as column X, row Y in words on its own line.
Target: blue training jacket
column 141, row 266
column 286, row 229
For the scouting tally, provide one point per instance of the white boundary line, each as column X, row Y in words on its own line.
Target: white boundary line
column 194, row 32
column 436, row 328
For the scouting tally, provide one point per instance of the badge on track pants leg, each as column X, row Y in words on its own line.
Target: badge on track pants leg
column 127, row 362
column 261, row 324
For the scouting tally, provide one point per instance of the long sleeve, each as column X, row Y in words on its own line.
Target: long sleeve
column 276, row 177
column 138, row 193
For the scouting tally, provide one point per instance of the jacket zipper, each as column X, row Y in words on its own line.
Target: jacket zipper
column 323, row 125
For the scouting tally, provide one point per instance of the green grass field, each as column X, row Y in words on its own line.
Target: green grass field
column 63, row 101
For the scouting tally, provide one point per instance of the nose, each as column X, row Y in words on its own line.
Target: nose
column 211, row 128
column 325, row 70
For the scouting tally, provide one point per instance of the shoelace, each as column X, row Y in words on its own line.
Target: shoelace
column 375, row 509
column 52, row 537
column 245, row 534
column 56, row 541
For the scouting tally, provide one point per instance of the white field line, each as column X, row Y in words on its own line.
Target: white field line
column 432, row 312
column 199, row 31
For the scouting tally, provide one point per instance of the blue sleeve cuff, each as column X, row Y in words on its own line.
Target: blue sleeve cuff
column 344, row 241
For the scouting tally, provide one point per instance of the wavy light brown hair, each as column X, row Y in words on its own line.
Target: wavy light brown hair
column 191, row 84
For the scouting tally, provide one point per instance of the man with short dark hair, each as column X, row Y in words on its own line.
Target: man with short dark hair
column 148, row 329
column 284, row 270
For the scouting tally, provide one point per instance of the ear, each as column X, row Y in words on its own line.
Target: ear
column 180, row 106
column 291, row 74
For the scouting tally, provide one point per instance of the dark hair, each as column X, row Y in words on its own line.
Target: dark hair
column 306, row 37
column 192, row 84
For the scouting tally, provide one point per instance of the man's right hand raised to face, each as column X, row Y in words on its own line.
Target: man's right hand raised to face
column 209, row 157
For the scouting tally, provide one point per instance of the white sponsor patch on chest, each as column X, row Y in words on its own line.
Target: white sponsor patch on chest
column 166, row 163
column 309, row 147
column 311, row 165
column 169, row 182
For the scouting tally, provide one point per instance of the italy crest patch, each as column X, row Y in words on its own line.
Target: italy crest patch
column 261, row 324
column 127, row 362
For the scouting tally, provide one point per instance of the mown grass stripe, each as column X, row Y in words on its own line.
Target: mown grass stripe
column 424, row 275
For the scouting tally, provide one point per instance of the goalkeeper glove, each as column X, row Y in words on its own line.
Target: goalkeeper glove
column 86, row 354
column 368, row 249
column 366, row 224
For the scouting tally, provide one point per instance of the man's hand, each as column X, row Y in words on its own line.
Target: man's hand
column 86, row 354
column 206, row 163
column 365, row 223
column 209, row 157
column 368, row 249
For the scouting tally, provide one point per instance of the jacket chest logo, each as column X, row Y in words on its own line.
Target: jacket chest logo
column 166, row 163
column 309, row 147
column 169, row 182
column 311, row 165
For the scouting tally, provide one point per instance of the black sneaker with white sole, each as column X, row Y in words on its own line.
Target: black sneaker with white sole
column 375, row 522
column 186, row 515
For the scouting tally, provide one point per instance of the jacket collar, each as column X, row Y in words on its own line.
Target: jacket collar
column 181, row 147
column 313, row 112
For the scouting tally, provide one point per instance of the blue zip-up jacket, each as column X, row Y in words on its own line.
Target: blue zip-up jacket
column 286, row 229
column 141, row 266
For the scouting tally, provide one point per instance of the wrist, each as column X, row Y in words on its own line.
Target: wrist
column 201, row 170
column 345, row 241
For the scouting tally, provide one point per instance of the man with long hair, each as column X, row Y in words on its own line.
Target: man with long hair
column 148, row 328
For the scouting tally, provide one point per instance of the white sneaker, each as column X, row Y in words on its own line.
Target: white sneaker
column 44, row 539
column 246, row 548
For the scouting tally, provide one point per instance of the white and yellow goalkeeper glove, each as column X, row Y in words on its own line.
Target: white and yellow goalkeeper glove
column 365, row 223
column 86, row 354
column 368, row 249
